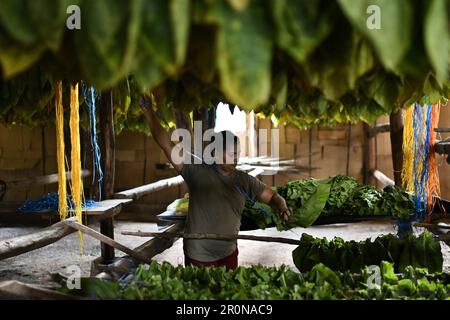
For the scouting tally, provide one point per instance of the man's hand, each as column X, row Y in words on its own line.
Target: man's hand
column 270, row 197
column 161, row 136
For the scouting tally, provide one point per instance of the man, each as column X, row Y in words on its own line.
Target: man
column 217, row 194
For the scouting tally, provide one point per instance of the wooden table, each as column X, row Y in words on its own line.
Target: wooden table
column 12, row 247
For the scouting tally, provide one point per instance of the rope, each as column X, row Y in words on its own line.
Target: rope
column 77, row 182
column 420, row 170
column 246, row 196
column 90, row 98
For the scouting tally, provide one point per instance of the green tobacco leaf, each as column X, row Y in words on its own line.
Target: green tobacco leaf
column 106, row 43
column 315, row 204
column 14, row 59
column 244, row 55
column 383, row 88
column 15, row 21
column 302, row 25
column 49, row 20
column 393, row 39
column 437, row 36
column 162, row 41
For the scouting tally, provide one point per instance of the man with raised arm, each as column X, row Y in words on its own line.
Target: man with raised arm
column 217, row 194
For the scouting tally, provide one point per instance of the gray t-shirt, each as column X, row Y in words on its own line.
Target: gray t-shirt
column 215, row 206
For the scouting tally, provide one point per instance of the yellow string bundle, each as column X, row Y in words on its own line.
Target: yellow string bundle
column 408, row 150
column 62, row 192
column 77, row 183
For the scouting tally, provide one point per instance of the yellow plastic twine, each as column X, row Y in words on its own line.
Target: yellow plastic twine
column 77, row 183
column 408, row 150
column 60, row 148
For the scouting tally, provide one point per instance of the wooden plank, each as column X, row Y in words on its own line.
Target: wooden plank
column 380, row 128
column 13, row 289
column 210, row 236
column 110, row 242
column 104, row 206
column 10, row 214
column 157, row 245
column 366, row 154
column 139, row 192
column 396, row 123
column 22, row 244
column 442, row 130
column 41, row 180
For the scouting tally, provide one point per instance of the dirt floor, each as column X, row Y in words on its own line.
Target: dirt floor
column 36, row 266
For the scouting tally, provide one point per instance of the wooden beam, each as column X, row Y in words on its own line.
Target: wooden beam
column 26, row 243
column 104, row 239
column 157, row 245
column 396, row 124
column 108, row 164
column 442, row 130
column 349, row 146
column 380, row 128
column 201, row 236
column 384, row 179
column 366, row 154
column 41, row 180
column 13, row 289
column 139, row 192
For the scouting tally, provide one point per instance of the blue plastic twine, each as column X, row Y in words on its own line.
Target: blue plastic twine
column 97, row 167
column 246, row 196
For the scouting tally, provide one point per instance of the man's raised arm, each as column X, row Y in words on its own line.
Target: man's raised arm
column 160, row 135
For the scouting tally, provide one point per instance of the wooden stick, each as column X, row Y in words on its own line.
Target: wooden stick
column 199, row 236
column 75, row 225
column 141, row 191
column 156, row 246
column 42, row 180
column 396, row 124
column 380, row 128
column 430, row 225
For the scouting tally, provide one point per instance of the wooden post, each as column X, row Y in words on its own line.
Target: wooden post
column 349, row 146
column 366, row 154
column 396, row 124
column 108, row 164
column 310, row 151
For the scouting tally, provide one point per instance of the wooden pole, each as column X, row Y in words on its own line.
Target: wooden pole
column 349, row 146
column 108, row 163
column 210, row 236
column 310, row 151
column 110, row 242
column 366, row 154
column 396, row 124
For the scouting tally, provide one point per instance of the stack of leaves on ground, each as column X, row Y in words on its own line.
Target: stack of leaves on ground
column 164, row 281
column 423, row 251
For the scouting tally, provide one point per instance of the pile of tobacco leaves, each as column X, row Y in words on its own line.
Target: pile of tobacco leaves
column 422, row 251
column 164, row 281
column 336, row 196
